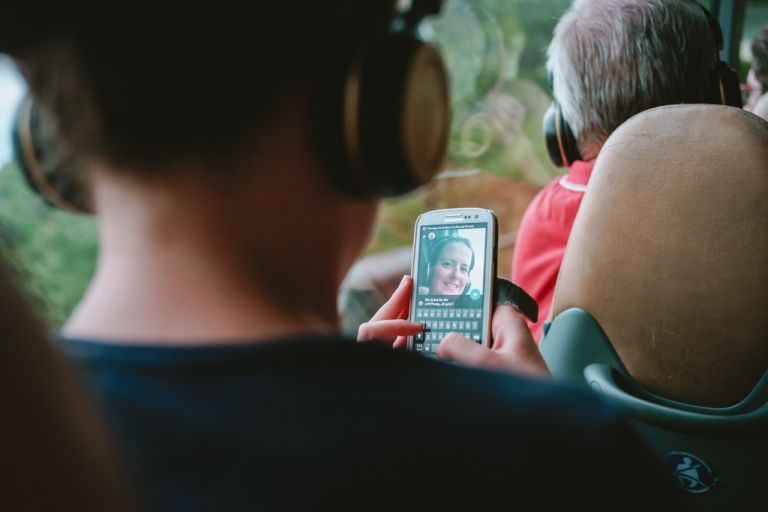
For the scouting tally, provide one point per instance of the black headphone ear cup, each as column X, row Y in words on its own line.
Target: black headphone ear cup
column 726, row 79
column 562, row 146
column 728, row 82
column 550, row 136
column 382, row 116
column 44, row 162
column 397, row 132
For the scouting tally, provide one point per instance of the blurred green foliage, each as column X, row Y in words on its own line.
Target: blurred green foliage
column 51, row 253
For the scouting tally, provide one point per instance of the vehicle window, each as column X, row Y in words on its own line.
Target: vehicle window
column 755, row 16
column 495, row 54
column 52, row 253
column 495, row 51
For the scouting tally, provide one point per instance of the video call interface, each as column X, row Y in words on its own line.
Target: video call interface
column 450, row 279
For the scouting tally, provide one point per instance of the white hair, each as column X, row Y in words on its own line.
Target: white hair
column 610, row 59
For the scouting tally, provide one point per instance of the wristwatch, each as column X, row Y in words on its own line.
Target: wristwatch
column 506, row 292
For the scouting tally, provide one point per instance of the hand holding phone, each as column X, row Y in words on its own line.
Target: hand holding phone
column 453, row 268
column 390, row 324
column 513, row 348
column 510, row 347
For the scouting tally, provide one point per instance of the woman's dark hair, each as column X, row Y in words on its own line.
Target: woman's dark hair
column 151, row 85
column 760, row 56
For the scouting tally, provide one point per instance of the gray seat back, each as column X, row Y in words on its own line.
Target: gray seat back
column 662, row 299
column 717, row 454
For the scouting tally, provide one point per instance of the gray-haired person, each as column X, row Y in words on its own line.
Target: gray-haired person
column 609, row 60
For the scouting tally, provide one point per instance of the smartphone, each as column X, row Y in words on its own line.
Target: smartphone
column 453, row 269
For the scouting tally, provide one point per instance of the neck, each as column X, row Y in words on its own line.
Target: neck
column 173, row 269
column 190, row 260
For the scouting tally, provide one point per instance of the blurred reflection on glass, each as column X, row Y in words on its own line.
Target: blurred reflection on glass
column 495, row 54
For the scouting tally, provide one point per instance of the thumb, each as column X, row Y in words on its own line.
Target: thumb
column 462, row 350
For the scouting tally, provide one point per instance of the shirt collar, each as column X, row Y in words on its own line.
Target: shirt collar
column 577, row 177
column 580, row 171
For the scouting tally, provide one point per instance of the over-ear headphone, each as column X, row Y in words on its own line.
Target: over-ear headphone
column 45, row 164
column 562, row 144
column 382, row 120
column 437, row 249
column 722, row 74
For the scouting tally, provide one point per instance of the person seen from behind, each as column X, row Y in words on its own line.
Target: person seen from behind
column 212, row 353
column 608, row 60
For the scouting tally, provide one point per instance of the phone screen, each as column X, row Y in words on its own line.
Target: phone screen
column 450, row 282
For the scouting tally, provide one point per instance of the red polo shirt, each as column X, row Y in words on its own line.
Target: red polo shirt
column 543, row 234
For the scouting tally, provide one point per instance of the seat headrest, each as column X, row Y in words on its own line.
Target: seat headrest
column 669, row 251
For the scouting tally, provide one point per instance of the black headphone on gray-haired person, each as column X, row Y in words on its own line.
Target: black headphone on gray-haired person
column 381, row 118
column 562, row 144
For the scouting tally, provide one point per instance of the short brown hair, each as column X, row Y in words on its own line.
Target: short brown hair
column 151, row 86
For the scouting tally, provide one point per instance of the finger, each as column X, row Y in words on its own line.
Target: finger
column 400, row 343
column 509, row 328
column 387, row 330
column 514, row 345
column 397, row 303
column 462, row 350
